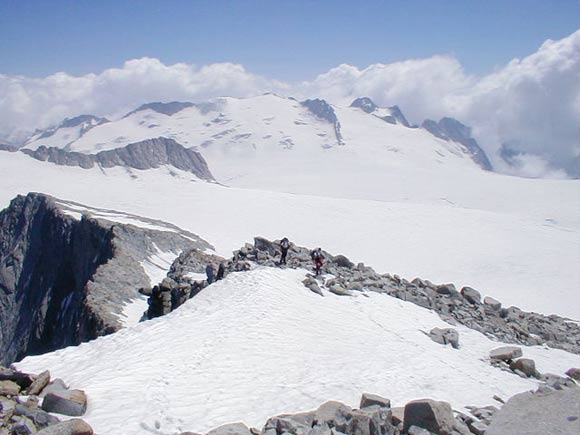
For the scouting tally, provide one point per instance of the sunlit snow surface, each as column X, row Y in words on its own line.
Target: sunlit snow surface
column 259, row 343
column 515, row 239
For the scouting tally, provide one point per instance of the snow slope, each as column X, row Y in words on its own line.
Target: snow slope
column 517, row 240
column 253, row 142
column 259, row 343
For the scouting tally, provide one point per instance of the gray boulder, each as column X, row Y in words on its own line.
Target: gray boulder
column 553, row 413
column 445, row 336
column 369, row 399
column 447, row 290
column 56, row 385
column 526, row 366
column 342, row 261
column 471, row 295
column 506, row 353
column 429, row 414
column 312, row 285
column 491, row 304
column 415, row 430
column 75, row 426
column 40, row 418
column 574, row 373
column 39, row 384
column 334, row 414
column 9, row 388
column 69, row 402
column 231, row 429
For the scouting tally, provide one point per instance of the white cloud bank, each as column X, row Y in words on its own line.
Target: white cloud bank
column 531, row 104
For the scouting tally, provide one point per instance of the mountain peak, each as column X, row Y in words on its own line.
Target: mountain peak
column 365, row 103
column 168, row 109
column 450, row 129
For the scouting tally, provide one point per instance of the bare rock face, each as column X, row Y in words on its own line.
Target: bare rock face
column 64, row 280
column 554, row 413
column 147, row 154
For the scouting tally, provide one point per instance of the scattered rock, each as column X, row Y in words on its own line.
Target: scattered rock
column 75, row 426
column 491, row 304
column 445, row 336
column 40, row 418
column 69, row 402
column 506, row 353
column 39, row 383
column 231, row 429
column 447, row 290
column 429, row 414
column 9, row 388
column 471, row 295
column 574, row 373
column 526, row 366
column 369, row 399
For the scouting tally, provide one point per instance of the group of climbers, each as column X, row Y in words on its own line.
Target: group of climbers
column 316, row 255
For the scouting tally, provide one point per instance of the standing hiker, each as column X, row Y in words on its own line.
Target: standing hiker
column 318, row 259
column 284, row 246
column 209, row 272
column 220, row 272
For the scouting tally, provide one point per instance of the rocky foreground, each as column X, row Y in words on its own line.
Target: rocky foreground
column 28, row 404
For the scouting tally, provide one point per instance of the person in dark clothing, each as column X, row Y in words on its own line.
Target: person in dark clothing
column 284, row 246
column 220, row 272
column 318, row 259
column 209, row 272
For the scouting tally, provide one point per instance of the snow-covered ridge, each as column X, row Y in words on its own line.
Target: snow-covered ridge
column 248, row 142
column 259, row 343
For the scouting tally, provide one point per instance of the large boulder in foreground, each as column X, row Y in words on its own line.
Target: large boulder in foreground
column 436, row 417
column 554, row 413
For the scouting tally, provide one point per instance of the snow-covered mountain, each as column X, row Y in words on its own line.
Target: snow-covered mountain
column 251, row 142
column 355, row 180
column 67, row 131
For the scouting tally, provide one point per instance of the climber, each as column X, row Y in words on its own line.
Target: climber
column 209, row 272
column 220, row 272
column 284, row 246
column 318, row 259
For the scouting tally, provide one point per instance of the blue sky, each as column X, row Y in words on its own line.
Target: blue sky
column 287, row 40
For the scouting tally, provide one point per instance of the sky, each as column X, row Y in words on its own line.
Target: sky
column 510, row 69
column 285, row 40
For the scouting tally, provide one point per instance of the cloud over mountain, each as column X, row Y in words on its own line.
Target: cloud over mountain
column 530, row 108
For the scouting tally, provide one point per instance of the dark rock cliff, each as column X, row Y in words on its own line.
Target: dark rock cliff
column 451, row 129
column 64, row 280
column 147, row 154
column 323, row 110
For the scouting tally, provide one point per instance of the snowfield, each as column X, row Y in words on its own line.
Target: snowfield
column 517, row 240
column 259, row 343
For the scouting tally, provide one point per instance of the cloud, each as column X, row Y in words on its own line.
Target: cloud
column 531, row 104
column 27, row 103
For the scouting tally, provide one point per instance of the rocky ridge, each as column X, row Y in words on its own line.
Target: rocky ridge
column 64, row 279
column 465, row 306
column 147, row 154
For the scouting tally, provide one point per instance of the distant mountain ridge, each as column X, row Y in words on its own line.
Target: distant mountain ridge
column 244, row 140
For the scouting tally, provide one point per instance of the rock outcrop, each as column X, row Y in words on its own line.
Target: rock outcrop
column 63, row 279
column 451, row 129
column 323, row 110
column 394, row 116
column 147, row 154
